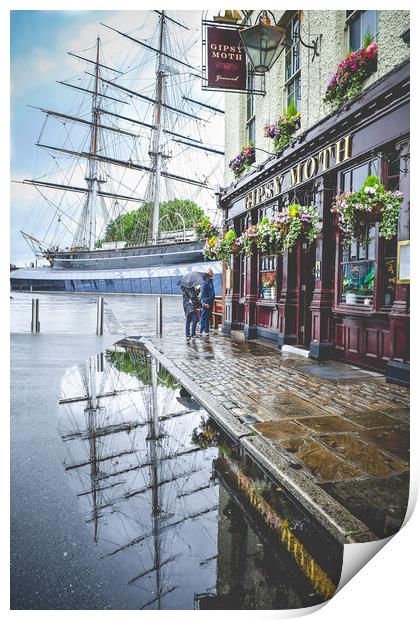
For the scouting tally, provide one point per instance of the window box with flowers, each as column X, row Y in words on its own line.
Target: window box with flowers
column 282, row 130
column 280, row 233
column 243, row 160
column 352, row 72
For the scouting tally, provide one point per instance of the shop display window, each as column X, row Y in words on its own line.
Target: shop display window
column 358, row 260
column 358, row 271
column 389, row 272
column 268, row 277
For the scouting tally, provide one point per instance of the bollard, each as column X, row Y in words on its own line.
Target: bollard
column 35, row 324
column 100, row 316
column 159, row 316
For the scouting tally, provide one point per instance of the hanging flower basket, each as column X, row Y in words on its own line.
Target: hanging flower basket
column 282, row 130
column 269, row 236
column 211, row 248
column 206, row 435
column 355, row 211
column 281, row 233
column 300, row 222
column 243, row 160
column 204, row 229
column 347, row 82
column 221, row 247
column 247, row 242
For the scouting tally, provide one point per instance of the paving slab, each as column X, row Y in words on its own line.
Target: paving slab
column 323, row 464
column 395, row 440
column 363, row 455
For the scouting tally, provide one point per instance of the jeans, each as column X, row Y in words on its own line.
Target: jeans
column 205, row 319
column 192, row 320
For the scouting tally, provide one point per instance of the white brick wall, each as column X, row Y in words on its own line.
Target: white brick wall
column 314, row 75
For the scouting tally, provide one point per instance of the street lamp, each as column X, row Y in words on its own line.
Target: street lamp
column 261, row 42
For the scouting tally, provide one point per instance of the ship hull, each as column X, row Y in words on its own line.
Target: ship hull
column 129, row 258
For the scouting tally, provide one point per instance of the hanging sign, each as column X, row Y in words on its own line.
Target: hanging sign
column 226, row 60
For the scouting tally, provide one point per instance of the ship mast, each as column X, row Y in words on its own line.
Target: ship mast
column 86, row 231
column 92, row 179
column 157, row 132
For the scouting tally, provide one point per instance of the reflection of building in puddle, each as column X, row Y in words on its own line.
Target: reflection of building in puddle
column 253, row 566
column 136, row 459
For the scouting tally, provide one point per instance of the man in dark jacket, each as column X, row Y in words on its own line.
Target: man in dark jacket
column 207, row 301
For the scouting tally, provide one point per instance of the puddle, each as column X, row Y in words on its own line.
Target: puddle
column 178, row 513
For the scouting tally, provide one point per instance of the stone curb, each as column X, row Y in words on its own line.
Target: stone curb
column 336, row 519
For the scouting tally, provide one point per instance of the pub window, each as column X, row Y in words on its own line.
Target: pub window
column 389, row 269
column 250, row 110
column 360, row 24
column 292, row 63
column 389, row 272
column 242, row 261
column 358, row 261
column 267, row 265
column 267, row 277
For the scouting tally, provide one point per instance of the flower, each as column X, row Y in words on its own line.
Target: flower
column 350, row 75
column 243, row 160
column 281, row 131
column 371, row 50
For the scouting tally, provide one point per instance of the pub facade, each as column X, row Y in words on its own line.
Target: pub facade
column 328, row 299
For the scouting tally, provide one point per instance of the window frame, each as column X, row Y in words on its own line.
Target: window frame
column 350, row 19
column 294, row 79
column 339, row 305
column 250, row 107
column 272, row 260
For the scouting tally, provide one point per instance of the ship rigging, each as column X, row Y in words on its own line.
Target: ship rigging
column 142, row 142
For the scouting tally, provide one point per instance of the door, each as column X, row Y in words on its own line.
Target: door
column 306, row 272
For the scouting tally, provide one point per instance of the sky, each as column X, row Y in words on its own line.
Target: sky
column 39, row 44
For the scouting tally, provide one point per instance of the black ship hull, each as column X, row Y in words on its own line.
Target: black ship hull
column 129, row 258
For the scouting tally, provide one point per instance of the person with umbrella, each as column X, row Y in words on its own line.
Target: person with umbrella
column 191, row 305
column 189, row 283
column 189, row 286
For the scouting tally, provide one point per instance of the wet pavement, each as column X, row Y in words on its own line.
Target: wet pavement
column 175, row 509
column 90, row 477
column 76, row 314
column 343, row 426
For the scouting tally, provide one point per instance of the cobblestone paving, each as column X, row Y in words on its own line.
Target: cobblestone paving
column 346, row 427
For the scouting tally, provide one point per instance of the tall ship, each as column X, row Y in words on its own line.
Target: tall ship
column 126, row 167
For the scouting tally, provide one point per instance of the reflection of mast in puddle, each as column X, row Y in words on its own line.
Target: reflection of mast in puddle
column 153, row 439
column 92, row 411
column 161, row 461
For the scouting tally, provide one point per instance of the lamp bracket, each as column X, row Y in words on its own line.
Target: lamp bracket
column 313, row 46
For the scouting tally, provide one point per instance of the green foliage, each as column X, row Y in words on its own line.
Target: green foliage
column 291, row 110
column 368, row 39
column 137, row 365
column 136, row 225
column 372, row 181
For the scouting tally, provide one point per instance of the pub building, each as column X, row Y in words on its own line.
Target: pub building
column 328, row 299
